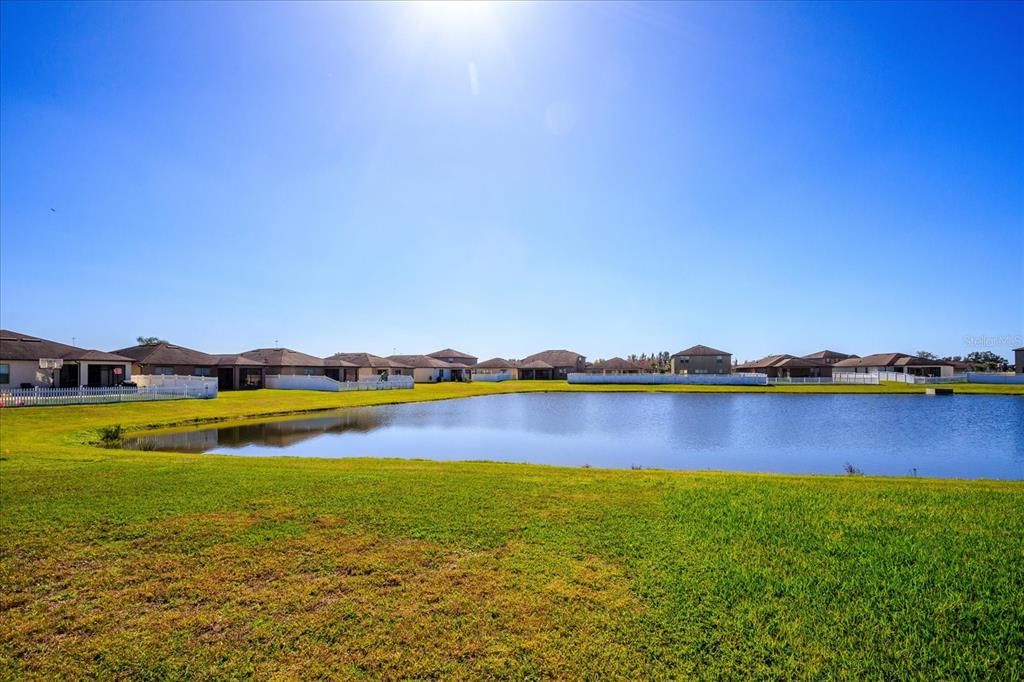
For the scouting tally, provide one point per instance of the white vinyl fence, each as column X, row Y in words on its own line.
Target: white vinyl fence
column 995, row 378
column 903, row 378
column 696, row 379
column 207, row 386
column 299, row 382
column 48, row 397
column 500, row 376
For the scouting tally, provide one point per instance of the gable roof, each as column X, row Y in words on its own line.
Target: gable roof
column 828, row 355
column 230, row 360
column 368, row 360
column 783, row 360
column 554, row 358
column 17, row 346
column 423, row 361
column 283, row 357
column 701, row 350
column 452, row 353
column 890, row 360
column 617, row 364
column 164, row 353
column 496, row 363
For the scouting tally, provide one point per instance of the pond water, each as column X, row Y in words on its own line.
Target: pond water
column 944, row 436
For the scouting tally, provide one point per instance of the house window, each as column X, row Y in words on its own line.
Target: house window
column 5, row 373
column 718, row 359
column 308, row 371
column 202, row 371
column 164, row 370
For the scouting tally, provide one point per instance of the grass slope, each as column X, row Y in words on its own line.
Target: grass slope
column 151, row 565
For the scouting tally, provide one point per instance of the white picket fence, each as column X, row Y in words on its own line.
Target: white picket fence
column 49, row 397
column 500, row 376
column 749, row 379
column 300, row 382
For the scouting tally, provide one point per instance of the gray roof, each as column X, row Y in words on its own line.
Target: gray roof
column 536, row 364
column 555, row 358
column 422, row 361
column 164, row 353
column 828, row 354
column 616, row 364
column 783, row 360
column 701, row 350
column 17, row 346
column 230, row 360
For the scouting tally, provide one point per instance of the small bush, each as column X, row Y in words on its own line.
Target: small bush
column 111, row 435
column 852, row 470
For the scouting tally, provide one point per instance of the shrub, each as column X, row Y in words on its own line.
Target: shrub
column 111, row 435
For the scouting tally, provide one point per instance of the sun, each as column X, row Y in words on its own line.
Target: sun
column 456, row 14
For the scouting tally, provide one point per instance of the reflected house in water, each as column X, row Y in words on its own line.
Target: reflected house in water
column 368, row 366
column 426, row 369
column 552, row 364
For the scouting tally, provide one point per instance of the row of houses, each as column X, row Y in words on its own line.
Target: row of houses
column 28, row 361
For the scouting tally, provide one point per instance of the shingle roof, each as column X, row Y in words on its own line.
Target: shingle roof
column 237, row 361
column 16, row 346
column 555, row 358
column 369, row 360
column 701, row 350
column 452, row 353
column 166, row 354
column 783, row 360
column 422, row 361
column 536, row 364
column 616, row 364
column 828, row 354
column 496, row 363
column 889, row 360
column 283, row 357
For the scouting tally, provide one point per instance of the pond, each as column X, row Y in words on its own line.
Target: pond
column 898, row 435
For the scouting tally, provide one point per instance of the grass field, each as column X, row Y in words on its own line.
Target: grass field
column 150, row 565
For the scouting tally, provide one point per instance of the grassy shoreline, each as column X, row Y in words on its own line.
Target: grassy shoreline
column 157, row 565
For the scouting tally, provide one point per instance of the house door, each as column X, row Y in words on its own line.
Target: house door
column 102, row 375
column 225, row 379
column 68, row 377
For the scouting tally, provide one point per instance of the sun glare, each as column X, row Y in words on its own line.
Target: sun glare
column 457, row 14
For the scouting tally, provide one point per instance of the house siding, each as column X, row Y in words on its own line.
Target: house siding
column 703, row 364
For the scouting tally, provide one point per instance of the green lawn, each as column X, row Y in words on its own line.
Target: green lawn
column 149, row 565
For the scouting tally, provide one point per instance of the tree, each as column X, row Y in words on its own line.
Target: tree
column 926, row 355
column 149, row 340
column 987, row 361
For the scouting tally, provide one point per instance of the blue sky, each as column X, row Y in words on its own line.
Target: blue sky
column 611, row 178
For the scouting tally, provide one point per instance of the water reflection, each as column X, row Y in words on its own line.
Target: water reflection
column 960, row 436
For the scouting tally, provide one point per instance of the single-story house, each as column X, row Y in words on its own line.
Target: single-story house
column 286, row 361
column 454, row 357
column 30, row 362
column 701, row 360
column 1018, row 360
column 895, row 362
column 427, row 369
column 370, row 366
column 497, row 366
column 552, row 364
column 787, row 366
column 829, row 357
column 236, row 372
column 614, row 366
column 169, row 359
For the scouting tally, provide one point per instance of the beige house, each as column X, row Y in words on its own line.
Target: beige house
column 552, row 364
column 427, row 369
column 31, row 362
column 701, row 360
column 614, row 366
column 369, row 366
column 895, row 362
column 497, row 366
column 454, row 357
